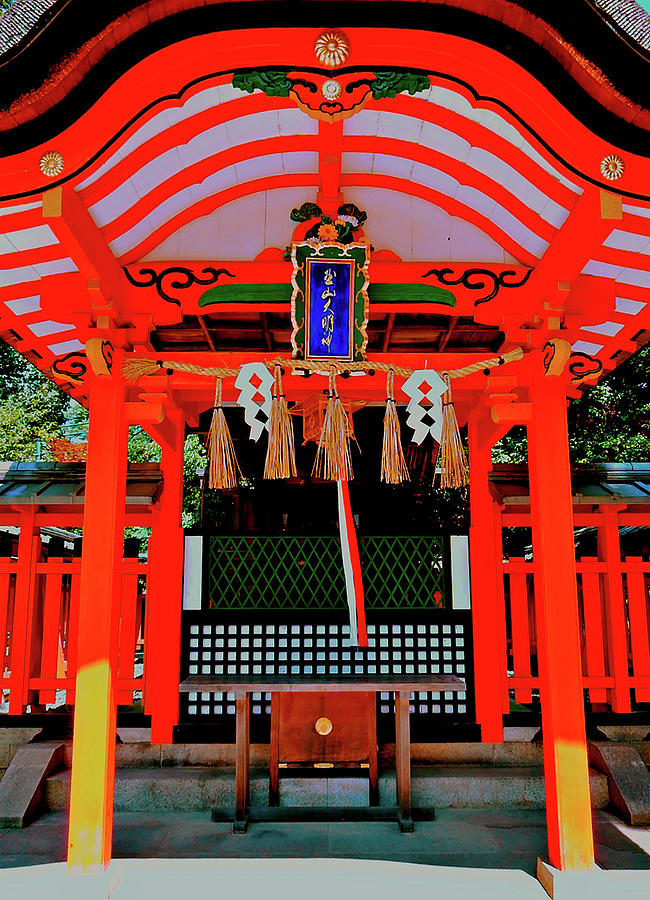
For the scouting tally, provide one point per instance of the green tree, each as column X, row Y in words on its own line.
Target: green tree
column 32, row 408
column 610, row 422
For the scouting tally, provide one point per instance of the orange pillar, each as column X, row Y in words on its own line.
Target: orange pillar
column 487, row 618
column 164, row 594
column 93, row 748
column 568, row 807
column 29, row 546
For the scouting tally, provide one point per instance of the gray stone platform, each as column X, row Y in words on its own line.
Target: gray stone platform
column 200, row 788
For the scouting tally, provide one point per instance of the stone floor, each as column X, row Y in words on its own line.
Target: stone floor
column 465, row 854
column 491, row 839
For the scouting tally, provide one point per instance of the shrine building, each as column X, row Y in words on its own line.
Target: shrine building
column 351, row 246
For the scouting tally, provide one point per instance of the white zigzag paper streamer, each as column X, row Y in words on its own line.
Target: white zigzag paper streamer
column 435, row 387
column 248, row 390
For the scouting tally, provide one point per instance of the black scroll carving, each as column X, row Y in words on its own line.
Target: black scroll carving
column 182, row 278
column 480, row 280
column 73, row 366
column 581, row 366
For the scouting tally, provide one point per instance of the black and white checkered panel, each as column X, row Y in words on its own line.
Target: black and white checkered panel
column 216, row 648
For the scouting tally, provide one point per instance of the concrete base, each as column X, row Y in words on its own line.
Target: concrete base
column 21, row 789
column 596, row 883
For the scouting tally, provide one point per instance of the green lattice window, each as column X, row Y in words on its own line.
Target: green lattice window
column 403, row 572
column 283, row 573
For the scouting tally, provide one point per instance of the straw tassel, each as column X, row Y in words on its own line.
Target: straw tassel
column 223, row 466
column 333, row 460
column 453, row 462
column 281, row 453
column 393, row 465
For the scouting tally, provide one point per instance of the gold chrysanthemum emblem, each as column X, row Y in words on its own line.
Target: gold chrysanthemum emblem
column 331, row 48
column 331, row 89
column 51, row 164
column 612, row 167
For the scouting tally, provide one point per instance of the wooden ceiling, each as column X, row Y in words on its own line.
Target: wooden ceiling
column 270, row 332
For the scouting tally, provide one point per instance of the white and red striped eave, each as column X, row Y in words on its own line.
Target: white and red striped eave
column 194, row 161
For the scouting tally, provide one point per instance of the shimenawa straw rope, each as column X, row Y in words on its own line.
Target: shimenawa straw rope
column 393, row 465
column 333, row 461
column 223, row 466
column 280, row 454
column 453, row 462
column 133, row 368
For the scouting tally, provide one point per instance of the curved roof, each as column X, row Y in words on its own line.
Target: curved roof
column 480, row 161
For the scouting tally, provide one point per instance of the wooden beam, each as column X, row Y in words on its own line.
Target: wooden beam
column 330, row 142
column 206, row 333
column 267, row 333
column 589, row 223
column 444, row 339
column 387, row 334
column 65, row 213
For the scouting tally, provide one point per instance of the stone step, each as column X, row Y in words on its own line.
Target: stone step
column 21, row 789
column 142, row 754
column 201, row 788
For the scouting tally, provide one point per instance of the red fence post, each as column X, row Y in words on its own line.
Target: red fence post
column 29, row 546
column 639, row 614
column 128, row 627
column 520, row 625
column 53, row 596
column 8, row 566
column 609, row 550
column 594, row 633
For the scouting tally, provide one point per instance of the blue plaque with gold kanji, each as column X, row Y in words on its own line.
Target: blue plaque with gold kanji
column 329, row 304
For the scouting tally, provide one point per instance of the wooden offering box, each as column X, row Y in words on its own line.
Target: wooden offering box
column 308, row 729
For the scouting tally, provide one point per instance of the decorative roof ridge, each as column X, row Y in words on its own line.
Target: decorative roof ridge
column 628, row 18
column 24, row 17
column 596, row 57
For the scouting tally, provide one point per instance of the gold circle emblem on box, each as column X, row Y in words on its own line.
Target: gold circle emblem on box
column 331, row 48
column 323, row 725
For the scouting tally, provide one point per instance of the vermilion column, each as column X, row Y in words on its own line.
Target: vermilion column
column 164, row 595
column 485, row 564
column 93, row 748
column 568, row 807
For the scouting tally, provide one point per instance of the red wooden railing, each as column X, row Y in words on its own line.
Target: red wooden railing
column 50, row 621
column 615, row 618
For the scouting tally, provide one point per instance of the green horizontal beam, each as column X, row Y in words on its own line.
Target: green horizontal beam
column 281, row 294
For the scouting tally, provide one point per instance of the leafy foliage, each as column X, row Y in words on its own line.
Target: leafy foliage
column 609, row 423
column 32, row 408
